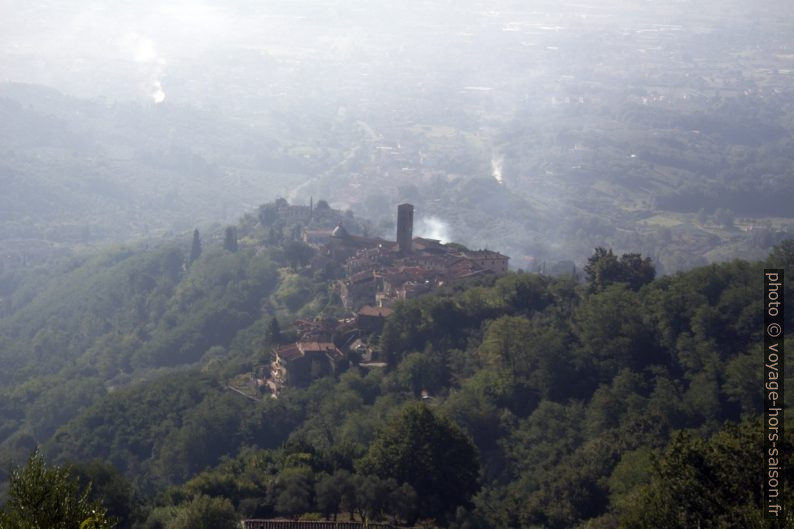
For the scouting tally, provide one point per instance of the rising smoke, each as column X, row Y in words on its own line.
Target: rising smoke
column 433, row 228
column 496, row 167
column 151, row 64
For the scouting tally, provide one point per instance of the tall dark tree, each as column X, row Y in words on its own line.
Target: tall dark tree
column 230, row 239
column 109, row 486
column 604, row 268
column 636, row 270
column 330, row 490
column 195, row 247
column 429, row 453
column 298, row 254
column 273, row 332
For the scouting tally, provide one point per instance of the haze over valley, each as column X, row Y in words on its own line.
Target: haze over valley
column 541, row 131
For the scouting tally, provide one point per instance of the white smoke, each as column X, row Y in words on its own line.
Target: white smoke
column 158, row 94
column 496, row 167
column 151, row 64
column 432, row 228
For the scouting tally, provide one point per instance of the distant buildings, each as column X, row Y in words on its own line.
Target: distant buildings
column 299, row 363
column 316, row 354
column 379, row 272
column 376, row 273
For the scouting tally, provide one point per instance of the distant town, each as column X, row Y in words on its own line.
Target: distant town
column 376, row 274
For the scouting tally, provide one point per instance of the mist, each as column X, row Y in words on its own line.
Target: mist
column 433, row 228
column 618, row 123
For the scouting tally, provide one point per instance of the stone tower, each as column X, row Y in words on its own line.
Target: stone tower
column 405, row 227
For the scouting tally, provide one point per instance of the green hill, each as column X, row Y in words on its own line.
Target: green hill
column 566, row 393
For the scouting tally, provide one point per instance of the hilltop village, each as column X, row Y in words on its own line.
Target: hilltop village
column 379, row 272
column 374, row 273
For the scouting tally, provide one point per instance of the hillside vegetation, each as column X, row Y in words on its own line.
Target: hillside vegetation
column 518, row 401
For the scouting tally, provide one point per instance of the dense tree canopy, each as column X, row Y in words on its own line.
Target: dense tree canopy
column 604, row 268
column 42, row 496
column 430, row 454
column 515, row 401
column 715, row 483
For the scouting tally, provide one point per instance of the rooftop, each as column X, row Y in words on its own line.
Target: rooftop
column 381, row 312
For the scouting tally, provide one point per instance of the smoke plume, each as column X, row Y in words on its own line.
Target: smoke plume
column 496, row 167
column 151, row 64
column 432, row 228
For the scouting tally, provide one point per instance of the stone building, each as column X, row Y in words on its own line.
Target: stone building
column 380, row 272
column 299, row 363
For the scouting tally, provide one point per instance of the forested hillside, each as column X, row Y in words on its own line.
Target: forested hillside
column 519, row 401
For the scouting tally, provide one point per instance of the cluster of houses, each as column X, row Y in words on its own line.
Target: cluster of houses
column 377, row 272
column 316, row 354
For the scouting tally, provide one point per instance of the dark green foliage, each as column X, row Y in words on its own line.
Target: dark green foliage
column 566, row 392
column 41, row 496
column 189, row 422
column 420, row 372
column 126, row 427
column 203, row 512
column 292, row 491
column 480, row 407
column 111, row 295
column 430, row 454
column 612, row 333
column 715, row 483
column 524, row 293
column 294, row 291
column 221, row 294
column 273, row 332
column 109, row 487
column 603, row 268
column 230, row 239
column 331, row 490
column 430, row 320
column 297, row 254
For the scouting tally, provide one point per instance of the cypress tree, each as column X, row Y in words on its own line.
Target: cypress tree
column 195, row 248
column 230, row 239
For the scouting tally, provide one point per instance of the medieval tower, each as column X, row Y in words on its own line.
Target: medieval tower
column 405, row 227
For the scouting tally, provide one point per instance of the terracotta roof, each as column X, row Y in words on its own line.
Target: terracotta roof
column 299, row 349
column 315, row 346
column 381, row 312
column 484, row 254
column 289, row 352
column 360, row 277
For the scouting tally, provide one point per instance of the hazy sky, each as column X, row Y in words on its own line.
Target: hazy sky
column 314, row 91
column 126, row 49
